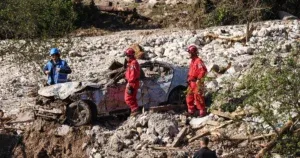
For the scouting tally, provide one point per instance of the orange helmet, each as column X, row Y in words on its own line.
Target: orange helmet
column 129, row 52
column 192, row 49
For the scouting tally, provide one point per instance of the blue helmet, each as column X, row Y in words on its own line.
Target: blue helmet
column 54, row 51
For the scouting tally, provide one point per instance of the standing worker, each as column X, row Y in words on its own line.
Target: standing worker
column 132, row 76
column 195, row 94
column 56, row 69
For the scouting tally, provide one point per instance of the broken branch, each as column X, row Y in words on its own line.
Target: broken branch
column 272, row 143
column 209, row 132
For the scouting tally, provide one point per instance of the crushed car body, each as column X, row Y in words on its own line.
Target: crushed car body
column 161, row 83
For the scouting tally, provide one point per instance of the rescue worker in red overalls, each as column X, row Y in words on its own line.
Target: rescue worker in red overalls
column 132, row 76
column 195, row 93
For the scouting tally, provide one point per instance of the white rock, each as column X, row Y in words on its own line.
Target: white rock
column 197, row 122
column 63, row 130
column 97, row 155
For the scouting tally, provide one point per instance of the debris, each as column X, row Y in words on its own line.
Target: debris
column 161, row 108
column 209, row 132
column 233, row 39
column 63, row 130
column 273, row 142
column 222, row 114
column 163, row 148
column 179, row 137
column 199, row 122
column 253, row 138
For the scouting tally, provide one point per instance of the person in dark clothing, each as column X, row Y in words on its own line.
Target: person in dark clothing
column 204, row 152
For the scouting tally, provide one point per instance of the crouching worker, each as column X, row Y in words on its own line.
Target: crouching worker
column 132, row 76
column 197, row 72
column 56, row 69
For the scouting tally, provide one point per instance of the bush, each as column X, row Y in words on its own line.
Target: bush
column 36, row 18
column 271, row 87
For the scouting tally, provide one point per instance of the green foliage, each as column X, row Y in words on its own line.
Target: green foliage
column 86, row 14
column 271, row 87
column 36, row 18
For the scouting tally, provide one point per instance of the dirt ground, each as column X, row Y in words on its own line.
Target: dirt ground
column 41, row 141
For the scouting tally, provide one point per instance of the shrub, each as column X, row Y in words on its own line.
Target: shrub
column 35, row 18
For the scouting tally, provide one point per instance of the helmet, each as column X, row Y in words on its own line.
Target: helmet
column 129, row 52
column 54, row 51
column 192, row 49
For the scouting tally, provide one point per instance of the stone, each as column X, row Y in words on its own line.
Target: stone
column 152, row 139
column 198, row 122
column 130, row 154
column 194, row 40
column 139, row 130
column 128, row 142
column 116, row 143
column 97, row 155
column 163, row 125
column 244, row 144
column 212, row 85
column 63, row 130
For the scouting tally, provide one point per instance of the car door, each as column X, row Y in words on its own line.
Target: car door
column 114, row 98
column 156, row 84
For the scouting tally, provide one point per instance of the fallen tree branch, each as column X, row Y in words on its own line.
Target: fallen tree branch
column 163, row 148
column 233, row 39
column 273, row 142
column 252, row 138
column 209, row 132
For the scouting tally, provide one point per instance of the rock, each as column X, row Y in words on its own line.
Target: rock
column 152, row 139
column 159, row 51
column 234, row 69
column 130, row 154
column 63, row 130
column 139, row 130
column 116, row 143
column 138, row 146
column 181, row 154
column 128, row 142
column 152, row 3
column 84, row 145
column 194, row 40
column 97, row 155
column 198, row 122
column 163, row 125
column 74, row 54
column 212, row 85
column 244, row 144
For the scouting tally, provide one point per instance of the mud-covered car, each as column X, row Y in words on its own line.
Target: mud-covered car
column 79, row 102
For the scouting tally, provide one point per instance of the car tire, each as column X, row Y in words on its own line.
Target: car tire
column 78, row 113
column 177, row 97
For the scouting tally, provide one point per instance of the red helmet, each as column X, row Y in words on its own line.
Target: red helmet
column 192, row 49
column 129, row 52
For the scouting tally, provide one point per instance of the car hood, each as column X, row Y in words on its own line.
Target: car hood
column 64, row 90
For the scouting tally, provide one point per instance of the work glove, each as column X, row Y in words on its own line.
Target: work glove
column 130, row 90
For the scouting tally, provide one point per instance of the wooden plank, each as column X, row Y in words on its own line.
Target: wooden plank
column 222, row 114
column 179, row 137
column 161, row 108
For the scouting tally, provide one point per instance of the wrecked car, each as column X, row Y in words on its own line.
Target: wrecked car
column 80, row 102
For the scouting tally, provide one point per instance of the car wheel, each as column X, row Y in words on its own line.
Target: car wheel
column 177, row 96
column 78, row 113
